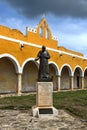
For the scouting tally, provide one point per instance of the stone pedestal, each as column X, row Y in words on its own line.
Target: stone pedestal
column 44, row 100
column 44, row 94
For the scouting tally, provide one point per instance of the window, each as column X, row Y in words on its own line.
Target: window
column 41, row 31
column 47, row 34
column 44, row 23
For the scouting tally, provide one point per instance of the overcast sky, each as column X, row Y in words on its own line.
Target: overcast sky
column 67, row 19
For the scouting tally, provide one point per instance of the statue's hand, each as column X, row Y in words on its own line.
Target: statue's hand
column 36, row 58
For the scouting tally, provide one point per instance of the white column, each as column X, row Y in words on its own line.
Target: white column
column 19, row 84
column 82, row 82
column 59, row 82
column 72, row 82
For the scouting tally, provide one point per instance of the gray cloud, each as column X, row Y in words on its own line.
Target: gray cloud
column 33, row 8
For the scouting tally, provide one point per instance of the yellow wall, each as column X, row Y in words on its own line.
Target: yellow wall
column 13, row 48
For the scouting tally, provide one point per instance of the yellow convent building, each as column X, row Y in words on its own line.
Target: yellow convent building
column 18, row 69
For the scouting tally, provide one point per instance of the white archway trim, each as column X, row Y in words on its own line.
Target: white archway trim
column 26, row 61
column 85, row 69
column 56, row 67
column 14, row 61
column 70, row 69
column 81, row 70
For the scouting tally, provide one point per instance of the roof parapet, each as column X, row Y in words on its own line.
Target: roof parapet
column 31, row 29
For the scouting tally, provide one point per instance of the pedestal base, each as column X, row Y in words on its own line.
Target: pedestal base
column 44, row 101
column 44, row 112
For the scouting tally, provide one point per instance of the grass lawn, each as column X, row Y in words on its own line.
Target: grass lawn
column 72, row 101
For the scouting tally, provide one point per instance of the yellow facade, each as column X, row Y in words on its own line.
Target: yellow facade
column 17, row 51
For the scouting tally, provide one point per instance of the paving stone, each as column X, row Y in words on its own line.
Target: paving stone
column 22, row 120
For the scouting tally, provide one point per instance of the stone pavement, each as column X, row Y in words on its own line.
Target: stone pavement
column 23, row 120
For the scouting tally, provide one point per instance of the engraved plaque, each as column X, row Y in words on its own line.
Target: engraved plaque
column 45, row 111
column 44, row 94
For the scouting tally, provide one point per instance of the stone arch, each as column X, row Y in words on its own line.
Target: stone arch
column 14, row 61
column 27, row 60
column 85, row 77
column 30, row 75
column 69, row 69
column 54, row 71
column 78, row 74
column 80, row 69
column 55, row 67
column 65, row 72
column 8, row 74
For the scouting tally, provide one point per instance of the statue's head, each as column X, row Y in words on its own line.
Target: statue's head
column 43, row 48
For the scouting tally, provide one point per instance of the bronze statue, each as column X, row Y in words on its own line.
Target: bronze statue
column 43, row 74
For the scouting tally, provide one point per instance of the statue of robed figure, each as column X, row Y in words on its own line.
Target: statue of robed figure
column 43, row 56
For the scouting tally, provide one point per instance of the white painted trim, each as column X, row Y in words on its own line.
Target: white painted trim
column 27, row 60
column 70, row 69
column 31, row 30
column 85, row 70
column 56, row 67
column 39, row 46
column 19, row 41
column 14, row 61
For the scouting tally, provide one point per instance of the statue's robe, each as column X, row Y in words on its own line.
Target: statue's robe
column 44, row 66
